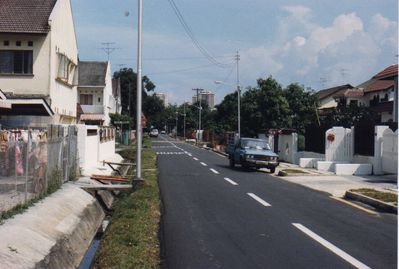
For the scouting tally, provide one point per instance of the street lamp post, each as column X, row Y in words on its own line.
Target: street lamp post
column 177, row 116
column 237, row 58
column 139, row 86
column 184, row 121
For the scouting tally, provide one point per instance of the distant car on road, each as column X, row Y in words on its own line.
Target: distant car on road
column 154, row 133
column 163, row 132
column 251, row 152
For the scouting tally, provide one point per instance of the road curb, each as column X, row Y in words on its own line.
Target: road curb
column 220, row 152
column 385, row 207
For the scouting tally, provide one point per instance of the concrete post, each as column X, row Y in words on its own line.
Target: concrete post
column 377, row 159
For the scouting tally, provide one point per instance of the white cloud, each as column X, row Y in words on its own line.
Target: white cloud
column 298, row 10
column 343, row 27
column 346, row 51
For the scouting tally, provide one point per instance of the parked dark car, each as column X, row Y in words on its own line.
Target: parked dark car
column 251, row 152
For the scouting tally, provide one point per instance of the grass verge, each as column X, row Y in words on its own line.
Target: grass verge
column 288, row 172
column 131, row 240
column 387, row 197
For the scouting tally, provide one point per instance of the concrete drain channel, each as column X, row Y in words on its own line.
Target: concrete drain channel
column 88, row 259
column 106, row 200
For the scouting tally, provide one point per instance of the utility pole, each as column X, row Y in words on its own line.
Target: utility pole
column 184, row 120
column 237, row 58
column 138, row 114
column 199, row 112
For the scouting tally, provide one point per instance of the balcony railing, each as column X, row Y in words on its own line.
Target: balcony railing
column 92, row 109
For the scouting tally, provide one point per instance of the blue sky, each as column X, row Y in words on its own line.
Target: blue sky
column 317, row 43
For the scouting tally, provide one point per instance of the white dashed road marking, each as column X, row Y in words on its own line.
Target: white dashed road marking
column 169, row 153
column 230, row 181
column 330, row 246
column 259, row 200
column 196, row 159
column 204, row 164
column 214, row 171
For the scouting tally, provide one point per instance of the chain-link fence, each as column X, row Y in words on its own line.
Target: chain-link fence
column 34, row 163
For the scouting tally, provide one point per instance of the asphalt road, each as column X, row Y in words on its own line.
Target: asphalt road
column 218, row 217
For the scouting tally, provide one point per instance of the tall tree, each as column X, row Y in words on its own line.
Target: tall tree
column 128, row 80
column 302, row 106
column 153, row 109
column 226, row 115
column 264, row 107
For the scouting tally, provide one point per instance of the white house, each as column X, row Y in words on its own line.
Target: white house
column 38, row 62
column 96, row 95
column 379, row 93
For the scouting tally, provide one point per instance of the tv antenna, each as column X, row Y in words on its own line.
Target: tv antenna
column 107, row 48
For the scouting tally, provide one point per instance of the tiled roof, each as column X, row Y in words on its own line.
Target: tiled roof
column 327, row 92
column 379, row 85
column 25, row 16
column 390, row 71
column 92, row 73
column 355, row 92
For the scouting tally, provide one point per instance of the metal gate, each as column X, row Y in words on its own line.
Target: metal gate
column 364, row 139
column 315, row 140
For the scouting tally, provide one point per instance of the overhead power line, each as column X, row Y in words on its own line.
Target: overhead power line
column 183, row 70
column 194, row 40
column 176, row 58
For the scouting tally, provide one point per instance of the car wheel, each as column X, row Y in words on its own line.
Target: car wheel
column 272, row 170
column 231, row 162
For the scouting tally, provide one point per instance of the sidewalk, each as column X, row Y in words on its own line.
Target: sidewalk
column 331, row 183
column 338, row 185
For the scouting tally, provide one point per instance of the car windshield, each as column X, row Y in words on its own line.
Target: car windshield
column 155, row 130
column 255, row 144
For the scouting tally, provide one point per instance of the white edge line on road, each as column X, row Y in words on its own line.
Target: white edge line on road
column 213, row 170
column 195, row 158
column 230, row 181
column 330, row 246
column 261, row 201
column 204, row 164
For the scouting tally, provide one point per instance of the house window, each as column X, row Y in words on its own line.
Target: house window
column 6, row 43
column 18, row 43
column 99, row 99
column 66, row 69
column 30, row 43
column 16, row 61
column 353, row 103
column 86, row 99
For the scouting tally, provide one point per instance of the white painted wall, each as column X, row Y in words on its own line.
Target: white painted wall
column 288, row 147
column 378, row 144
column 92, row 151
column 328, row 102
column 342, row 148
column 63, row 40
column 362, row 159
column 109, row 100
column 88, row 146
column 39, row 82
column 390, row 151
column 106, row 150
